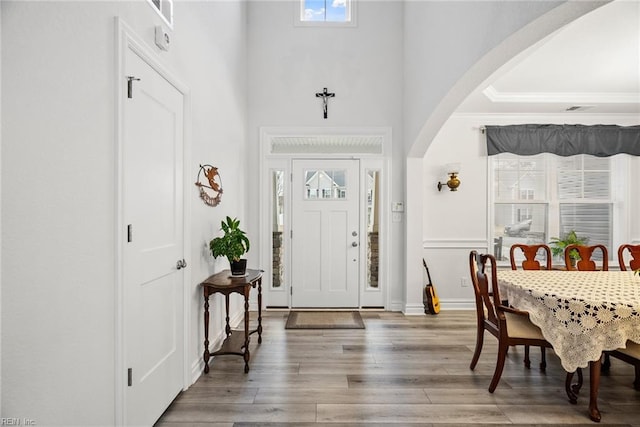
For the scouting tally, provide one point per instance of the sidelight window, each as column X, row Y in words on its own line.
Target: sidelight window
column 277, row 224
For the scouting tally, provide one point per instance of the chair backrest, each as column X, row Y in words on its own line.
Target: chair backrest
column 585, row 263
column 530, row 252
column 634, row 262
column 485, row 289
column 473, row 270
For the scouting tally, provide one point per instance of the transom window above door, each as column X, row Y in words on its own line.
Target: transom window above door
column 325, row 12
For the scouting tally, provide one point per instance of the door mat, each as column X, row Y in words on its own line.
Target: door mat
column 324, row 320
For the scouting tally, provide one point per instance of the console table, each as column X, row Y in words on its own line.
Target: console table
column 236, row 342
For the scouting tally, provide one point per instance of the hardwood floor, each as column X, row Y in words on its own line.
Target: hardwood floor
column 399, row 370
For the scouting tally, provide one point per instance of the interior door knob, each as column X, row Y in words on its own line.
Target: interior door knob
column 181, row 264
column 354, row 244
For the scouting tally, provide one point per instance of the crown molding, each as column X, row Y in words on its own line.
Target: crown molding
column 633, row 117
column 561, row 97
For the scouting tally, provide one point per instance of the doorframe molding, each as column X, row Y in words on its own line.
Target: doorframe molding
column 127, row 39
column 282, row 161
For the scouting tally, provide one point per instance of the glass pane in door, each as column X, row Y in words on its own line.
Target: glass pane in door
column 325, row 184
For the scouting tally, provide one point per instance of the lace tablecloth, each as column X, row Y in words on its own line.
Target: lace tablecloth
column 581, row 313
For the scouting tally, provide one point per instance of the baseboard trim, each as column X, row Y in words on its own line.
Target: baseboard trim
column 418, row 309
column 413, row 310
column 457, row 305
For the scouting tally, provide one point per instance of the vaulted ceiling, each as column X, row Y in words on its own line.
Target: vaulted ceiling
column 591, row 65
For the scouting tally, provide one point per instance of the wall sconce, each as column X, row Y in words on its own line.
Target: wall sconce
column 453, row 183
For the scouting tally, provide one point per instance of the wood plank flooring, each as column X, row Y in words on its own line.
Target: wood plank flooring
column 398, row 371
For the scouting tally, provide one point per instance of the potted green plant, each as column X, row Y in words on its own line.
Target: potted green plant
column 233, row 244
column 571, row 238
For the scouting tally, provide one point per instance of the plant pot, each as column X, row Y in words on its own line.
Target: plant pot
column 238, row 268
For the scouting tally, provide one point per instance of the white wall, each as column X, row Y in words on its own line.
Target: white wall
column 465, row 31
column 362, row 65
column 217, row 78
column 450, row 49
column 456, row 222
column 58, row 163
column 447, row 47
column 58, row 193
column 453, row 46
column 1, row 412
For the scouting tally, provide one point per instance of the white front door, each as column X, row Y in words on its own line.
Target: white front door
column 153, row 215
column 325, row 234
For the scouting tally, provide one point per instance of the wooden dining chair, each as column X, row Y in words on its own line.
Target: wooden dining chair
column 530, row 252
column 531, row 262
column 630, row 354
column 585, row 263
column 634, row 261
column 510, row 326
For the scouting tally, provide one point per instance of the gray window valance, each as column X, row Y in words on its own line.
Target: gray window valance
column 563, row 140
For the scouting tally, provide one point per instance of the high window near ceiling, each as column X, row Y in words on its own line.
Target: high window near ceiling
column 164, row 8
column 325, row 12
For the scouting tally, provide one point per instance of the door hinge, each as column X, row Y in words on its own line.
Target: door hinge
column 129, row 233
column 291, row 177
column 291, row 290
column 130, row 80
column 291, row 234
column 130, row 377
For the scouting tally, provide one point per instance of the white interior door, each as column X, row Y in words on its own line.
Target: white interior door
column 325, row 234
column 153, row 214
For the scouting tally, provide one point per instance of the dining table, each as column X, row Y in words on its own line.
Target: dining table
column 581, row 314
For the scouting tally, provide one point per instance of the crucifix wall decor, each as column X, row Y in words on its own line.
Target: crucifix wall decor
column 325, row 99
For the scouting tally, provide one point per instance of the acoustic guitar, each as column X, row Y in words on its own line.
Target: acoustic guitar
column 429, row 297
